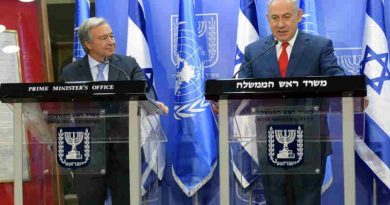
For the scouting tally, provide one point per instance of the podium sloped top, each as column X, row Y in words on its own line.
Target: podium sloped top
column 299, row 87
column 77, row 91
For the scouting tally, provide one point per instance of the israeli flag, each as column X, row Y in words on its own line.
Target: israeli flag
column 247, row 29
column 244, row 154
column 309, row 25
column 375, row 149
column 137, row 42
column 82, row 13
column 195, row 149
column 153, row 152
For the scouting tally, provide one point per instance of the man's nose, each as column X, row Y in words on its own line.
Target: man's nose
column 280, row 23
column 111, row 40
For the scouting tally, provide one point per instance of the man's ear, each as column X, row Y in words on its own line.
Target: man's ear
column 87, row 45
column 299, row 15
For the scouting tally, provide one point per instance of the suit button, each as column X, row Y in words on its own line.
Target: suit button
column 102, row 171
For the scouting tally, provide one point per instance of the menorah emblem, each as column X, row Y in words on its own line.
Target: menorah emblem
column 73, row 146
column 350, row 63
column 285, row 137
column 73, row 139
column 285, row 145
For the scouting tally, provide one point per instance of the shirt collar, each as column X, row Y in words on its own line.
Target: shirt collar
column 92, row 62
column 291, row 41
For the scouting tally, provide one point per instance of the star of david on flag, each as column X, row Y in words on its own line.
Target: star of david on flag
column 378, row 62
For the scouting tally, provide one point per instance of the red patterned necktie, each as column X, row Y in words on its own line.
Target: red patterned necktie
column 283, row 60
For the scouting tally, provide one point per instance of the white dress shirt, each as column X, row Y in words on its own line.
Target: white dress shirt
column 94, row 68
column 291, row 42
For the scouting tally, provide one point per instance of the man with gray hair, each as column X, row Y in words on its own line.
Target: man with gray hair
column 288, row 52
column 109, row 166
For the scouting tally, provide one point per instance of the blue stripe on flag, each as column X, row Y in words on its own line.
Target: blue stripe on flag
column 377, row 140
column 248, row 8
column 195, row 157
column 148, row 181
column 375, row 10
column 136, row 13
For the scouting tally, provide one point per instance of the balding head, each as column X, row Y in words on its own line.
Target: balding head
column 294, row 3
column 283, row 17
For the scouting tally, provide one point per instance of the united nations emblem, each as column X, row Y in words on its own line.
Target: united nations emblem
column 207, row 32
column 285, row 145
column 73, row 146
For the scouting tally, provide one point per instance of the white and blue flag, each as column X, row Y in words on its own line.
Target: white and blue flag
column 309, row 24
column 82, row 12
column 137, row 42
column 153, row 152
column 244, row 153
column 195, row 149
column 375, row 150
column 247, row 29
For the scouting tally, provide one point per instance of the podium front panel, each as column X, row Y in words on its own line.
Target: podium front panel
column 78, row 152
column 279, row 145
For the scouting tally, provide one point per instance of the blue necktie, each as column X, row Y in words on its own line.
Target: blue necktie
column 100, row 76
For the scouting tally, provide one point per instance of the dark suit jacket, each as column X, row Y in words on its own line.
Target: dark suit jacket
column 310, row 56
column 116, row 128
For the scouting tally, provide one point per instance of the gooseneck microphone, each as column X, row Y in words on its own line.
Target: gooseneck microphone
column 107, row 61
column 152, row 101
column 254, row 58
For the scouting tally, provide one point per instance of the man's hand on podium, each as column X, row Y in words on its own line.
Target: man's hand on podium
column 163, row 107
column 214, row 106
column 366, row 102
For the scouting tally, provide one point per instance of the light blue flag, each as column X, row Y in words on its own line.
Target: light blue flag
column 195, row 156
column 153, row 152
column 309, row 25
column 81, row 14
column 309, row 18
column 244, row 158
column 375, row 149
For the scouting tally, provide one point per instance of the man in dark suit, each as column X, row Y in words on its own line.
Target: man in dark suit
column 109, row 162
column 296, row 54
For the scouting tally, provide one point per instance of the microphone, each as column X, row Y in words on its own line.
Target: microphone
column 107, row 61
column 153, row 102
column 254, row 58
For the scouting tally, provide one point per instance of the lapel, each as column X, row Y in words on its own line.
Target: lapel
column 114, row 73
column 85, row 71
column 271, row 58
column 297, row 53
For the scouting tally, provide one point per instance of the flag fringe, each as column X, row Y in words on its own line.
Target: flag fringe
column 379, row 168
column 196, row 188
